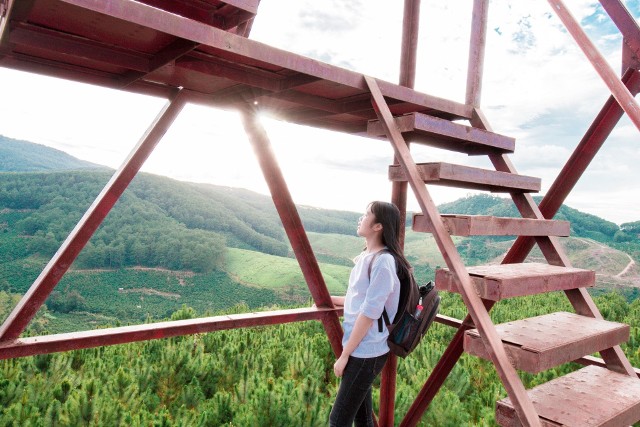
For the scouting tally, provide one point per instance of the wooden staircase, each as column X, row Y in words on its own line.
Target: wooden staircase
column 592, row 396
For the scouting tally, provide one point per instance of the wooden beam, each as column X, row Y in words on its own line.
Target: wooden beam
column 476, row 52
column 292, row 223
column 250, row 51
column 599, row 62
column 55, row 41
column 151, row 331
column 483, row 225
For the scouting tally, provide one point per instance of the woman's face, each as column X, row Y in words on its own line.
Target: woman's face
column 366, row 223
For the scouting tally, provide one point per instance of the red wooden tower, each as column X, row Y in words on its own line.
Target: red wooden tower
column 198, row 51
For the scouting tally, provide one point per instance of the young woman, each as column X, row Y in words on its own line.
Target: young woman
column 365, row 348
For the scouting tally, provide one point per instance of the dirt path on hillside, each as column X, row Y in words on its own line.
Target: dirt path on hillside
column 624, row 270
column 149, row 291
column 628, row 267
column 180, row 275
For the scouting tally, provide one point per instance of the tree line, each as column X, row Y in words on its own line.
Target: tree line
column 158, row 222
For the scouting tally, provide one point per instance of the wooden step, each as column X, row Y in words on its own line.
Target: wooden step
column 590, row 397
column 441, row 133
column 482, row 225
column 543, row 342
column 500, row 281
column 469, row 177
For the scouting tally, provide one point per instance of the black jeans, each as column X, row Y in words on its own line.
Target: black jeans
column 353, row 402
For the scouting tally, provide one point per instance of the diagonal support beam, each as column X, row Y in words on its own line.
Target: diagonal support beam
column 33, row 299
column 625, row 22
column 617, row 88
column 580, row 159
column 292, row 224
column 511, row 381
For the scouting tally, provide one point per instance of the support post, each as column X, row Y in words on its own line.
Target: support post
column 33, row 299
column 408, row 55
column 476, row 52
column 292, row 224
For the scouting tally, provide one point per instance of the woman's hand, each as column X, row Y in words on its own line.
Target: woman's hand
column 341, row 363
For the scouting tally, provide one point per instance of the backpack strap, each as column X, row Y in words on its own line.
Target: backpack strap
column 384, row 310
column 386, row 320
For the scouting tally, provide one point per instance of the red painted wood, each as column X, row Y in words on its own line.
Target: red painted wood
column 459, row 176
column 18, row 10
column 33, row 299
column 111, row 23
column 596, row 361
column 476, row 51
column 589, row 397
column 599, row 62
column 163, row 57
column 499, row 281
column 476, row 225
column 222, row 14
column 436, row 132
column 544, row 342
column 408, row 59
column 409, row 48
column 125, row 334
column 292, row 224
column 26, row 35
column 625, row 22
column 580, row 159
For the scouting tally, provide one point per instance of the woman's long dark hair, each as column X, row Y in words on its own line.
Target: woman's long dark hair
column 388, row 215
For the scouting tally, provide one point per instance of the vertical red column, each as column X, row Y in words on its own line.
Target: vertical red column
column 408, row 55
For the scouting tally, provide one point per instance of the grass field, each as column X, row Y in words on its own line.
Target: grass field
column 268, row 271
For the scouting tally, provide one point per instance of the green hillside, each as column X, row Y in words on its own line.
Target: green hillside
column 167, row 243
column 158, row 222
column 24, row 156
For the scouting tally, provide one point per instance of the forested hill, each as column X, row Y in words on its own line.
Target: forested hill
column 157, row 222
column 23, row 156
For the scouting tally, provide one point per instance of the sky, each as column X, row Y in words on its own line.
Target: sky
column 538, row 87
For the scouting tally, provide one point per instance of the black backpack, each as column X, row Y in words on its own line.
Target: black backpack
column 409, row 325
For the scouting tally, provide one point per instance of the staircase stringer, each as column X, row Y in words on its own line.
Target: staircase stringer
column 512, row 383
column 555, row 254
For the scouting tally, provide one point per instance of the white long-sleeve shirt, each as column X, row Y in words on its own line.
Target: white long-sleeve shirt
column 369, row 296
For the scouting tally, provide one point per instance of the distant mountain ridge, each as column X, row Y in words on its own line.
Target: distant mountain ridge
column 23, row 156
